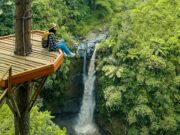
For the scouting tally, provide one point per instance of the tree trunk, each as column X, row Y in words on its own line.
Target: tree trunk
column 22, row 124
column 23, row 27
column 23, row 47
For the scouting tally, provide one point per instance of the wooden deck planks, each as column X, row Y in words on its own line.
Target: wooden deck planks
column 35, row 51
column 39, row 63
column 30, row 58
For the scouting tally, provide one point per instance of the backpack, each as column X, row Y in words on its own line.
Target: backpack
column 45, row 41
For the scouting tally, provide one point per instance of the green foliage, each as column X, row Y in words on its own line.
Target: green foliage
column 100, row 12
column 53, row 91
column 72, row 16
column 59, row 85
column 112, row 96
column 67, row 14
column 6, row 119
column 106, row 5
column 41, row 123
column 6, row 17
column 141, row 56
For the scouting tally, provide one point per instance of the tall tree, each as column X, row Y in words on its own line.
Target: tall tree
column 23, row 47
column 22, row 124
column 23, row 27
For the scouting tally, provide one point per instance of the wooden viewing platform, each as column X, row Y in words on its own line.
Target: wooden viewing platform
column 39, row 63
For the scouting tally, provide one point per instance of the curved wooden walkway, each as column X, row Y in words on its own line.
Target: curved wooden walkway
column 39, row 63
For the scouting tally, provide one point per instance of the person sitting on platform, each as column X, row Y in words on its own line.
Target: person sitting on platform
column 57, row 44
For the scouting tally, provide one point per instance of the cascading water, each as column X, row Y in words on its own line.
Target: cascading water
column 85, row 124
column 79, row 120
column 84, row 66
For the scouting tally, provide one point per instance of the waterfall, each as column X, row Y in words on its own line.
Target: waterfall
column 85, row 124
column 84, row 66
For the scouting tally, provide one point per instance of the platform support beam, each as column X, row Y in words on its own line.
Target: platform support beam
column 3, row 95
column 36, row 93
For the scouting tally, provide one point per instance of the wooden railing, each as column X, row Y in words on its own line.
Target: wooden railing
column 7, row 90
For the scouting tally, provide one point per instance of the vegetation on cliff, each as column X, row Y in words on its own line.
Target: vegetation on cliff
column 138, row 68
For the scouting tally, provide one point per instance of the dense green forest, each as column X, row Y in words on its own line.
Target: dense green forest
column 138, row 66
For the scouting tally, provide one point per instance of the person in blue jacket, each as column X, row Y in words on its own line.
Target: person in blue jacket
column 57, row 44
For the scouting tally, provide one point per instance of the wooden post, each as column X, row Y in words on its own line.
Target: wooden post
column 23, row 27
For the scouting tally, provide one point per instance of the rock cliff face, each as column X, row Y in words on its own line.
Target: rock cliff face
column 88, row 44
column 75, row 90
